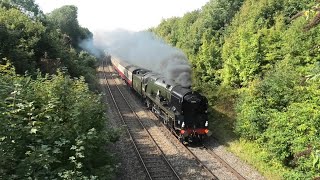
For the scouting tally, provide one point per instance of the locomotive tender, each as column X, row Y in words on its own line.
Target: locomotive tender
column 182, row 110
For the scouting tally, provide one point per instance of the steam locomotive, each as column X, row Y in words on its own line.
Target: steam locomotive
column 182, row 110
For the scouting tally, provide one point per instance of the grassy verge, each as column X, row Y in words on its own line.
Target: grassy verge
column 221, row 125
column 258, row 158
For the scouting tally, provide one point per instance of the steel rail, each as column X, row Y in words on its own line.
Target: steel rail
column 224, row 163
column 194, row 156
column 149, row 135
column 123, row 121
column 214, row 155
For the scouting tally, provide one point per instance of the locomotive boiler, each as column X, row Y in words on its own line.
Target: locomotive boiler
column 182, row 110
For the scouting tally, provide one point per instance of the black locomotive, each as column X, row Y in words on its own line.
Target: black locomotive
column 181, row 109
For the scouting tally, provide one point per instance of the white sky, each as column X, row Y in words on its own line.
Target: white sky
column 132, row 15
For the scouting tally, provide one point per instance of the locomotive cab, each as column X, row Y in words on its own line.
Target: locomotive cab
column 137, row 79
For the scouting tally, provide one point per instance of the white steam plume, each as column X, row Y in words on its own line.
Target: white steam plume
column 145, row 50
column 88, row 45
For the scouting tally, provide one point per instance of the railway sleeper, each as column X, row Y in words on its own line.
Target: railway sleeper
column 155, row 164
column 162, row 176
column 150, row 157
column 141, row 141
column 148, row 147
column 160, row 172
column 141, row 138
column 145, row 145
column 139, row 132
column 134, row 127
column 150, row 153
column 147, row 150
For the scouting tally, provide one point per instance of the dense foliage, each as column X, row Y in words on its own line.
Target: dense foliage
column 65, row 18
column 265, row 53
column 45, row 132
column 32, row 40
column 51, row 125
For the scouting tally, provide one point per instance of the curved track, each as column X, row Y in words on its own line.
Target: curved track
column 224, row 163
column 213, row 163
column 155, row 163
column 209, row 160
column 206, row 158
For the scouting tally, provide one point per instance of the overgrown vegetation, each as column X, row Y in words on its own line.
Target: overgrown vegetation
column 45, row 132
column 52, row 126
column 258, row 63
column 32, row 40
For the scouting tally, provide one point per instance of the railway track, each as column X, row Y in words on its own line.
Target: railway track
column 224, row 163
column 213, row 163
column 206, row 158
column 152, row 159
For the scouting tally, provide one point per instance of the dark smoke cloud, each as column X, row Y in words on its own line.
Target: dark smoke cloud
column 144, row 49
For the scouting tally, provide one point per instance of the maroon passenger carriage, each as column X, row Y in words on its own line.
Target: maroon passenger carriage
column 123, row 70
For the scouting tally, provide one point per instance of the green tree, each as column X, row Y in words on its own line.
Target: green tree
column 66, row 19
column 266, row 52
column 19, row 39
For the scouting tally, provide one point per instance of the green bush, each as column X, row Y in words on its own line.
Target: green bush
column 52, row 127
column 282, row 114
